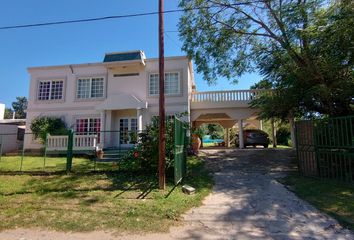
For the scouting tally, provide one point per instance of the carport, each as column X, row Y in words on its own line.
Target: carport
column 229, row 109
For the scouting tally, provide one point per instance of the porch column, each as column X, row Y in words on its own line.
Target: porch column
column 292, row 132
column 139, row 117
column 240, row 134
column 227, row 137
column 103, row 128
column 274, row 133
column 261, row 125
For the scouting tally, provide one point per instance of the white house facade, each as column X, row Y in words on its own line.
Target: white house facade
column 120, row 95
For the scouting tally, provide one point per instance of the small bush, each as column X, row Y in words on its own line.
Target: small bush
column 283, row 136
column 145, row 156
column 40, row 126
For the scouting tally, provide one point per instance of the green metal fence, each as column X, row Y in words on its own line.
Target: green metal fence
column 325, row 148
column 65, row 154
column 180, row 150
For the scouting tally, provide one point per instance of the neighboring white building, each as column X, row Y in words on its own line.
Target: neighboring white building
column 121, row 94
column 11, row 135
column 2, row 111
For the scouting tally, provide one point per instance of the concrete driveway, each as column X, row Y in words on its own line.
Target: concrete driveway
column 248, row 203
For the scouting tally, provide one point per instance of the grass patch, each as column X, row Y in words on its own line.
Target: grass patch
column 117, row 201
column 51, row 164
column 334, row 198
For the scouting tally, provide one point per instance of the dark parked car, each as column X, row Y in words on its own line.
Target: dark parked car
column 254, row 137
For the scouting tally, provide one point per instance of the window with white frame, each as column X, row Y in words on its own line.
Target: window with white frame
column 172, row 83
column 50, row 90
column 128, row 130
column 90, row 88
column 88, row 125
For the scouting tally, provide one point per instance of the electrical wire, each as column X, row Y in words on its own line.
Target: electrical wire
column 100, row 18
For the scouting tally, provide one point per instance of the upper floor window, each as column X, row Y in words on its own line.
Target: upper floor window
column 172, row 83
column 90, row 88
column 50, row 90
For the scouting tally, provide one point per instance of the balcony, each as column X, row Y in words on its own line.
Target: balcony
column 223, row 99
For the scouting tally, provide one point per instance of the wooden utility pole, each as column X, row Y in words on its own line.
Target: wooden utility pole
column 162, row 137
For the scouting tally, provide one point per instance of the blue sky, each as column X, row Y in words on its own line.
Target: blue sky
column 83, row 42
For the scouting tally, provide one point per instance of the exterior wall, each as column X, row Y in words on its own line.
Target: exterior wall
column 2, row 111
column 9, row 141
column 69, row 108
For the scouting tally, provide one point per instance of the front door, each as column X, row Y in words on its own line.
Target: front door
column 127, row 132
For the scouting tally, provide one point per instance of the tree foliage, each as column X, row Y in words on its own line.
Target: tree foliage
column 303, row 47
column 8, row 113
column 40, row 126
column 20, row 107
column 216, row 131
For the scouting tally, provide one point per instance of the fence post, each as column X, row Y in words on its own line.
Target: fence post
column 69, row 154
column 22, row 156
column 45, row 149
column 0, row 147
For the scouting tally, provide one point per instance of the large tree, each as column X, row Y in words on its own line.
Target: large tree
column 304, row 48
column 20, row 107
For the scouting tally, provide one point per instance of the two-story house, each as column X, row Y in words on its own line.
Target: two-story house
column 120, row 95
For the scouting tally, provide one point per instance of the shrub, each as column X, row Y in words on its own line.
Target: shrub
column 283, row 136
column 148, row 147
column 40, row 126
column 146, row 154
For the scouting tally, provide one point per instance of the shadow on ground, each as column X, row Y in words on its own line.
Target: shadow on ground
column 248, row 203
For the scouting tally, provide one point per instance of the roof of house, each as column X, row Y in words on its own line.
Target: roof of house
column 111, row 58
column 124, row 56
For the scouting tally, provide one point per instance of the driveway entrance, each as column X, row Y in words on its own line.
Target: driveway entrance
column 248, row 203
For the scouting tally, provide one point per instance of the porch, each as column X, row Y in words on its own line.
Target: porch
column 121, row 118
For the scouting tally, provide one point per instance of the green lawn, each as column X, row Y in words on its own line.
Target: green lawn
column 332, row 197
column 116, row 201
column 51, row 164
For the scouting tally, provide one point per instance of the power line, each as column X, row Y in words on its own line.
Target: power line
column 86, row 20
column 101, row 18
column 175, row 42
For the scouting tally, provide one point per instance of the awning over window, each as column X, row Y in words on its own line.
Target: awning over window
column 121, row 101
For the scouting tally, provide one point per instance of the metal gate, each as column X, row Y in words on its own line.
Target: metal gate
column 325, row 148
column 180, row 150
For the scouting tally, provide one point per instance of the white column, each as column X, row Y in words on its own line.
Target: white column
column 108, row 127
column 240, row 134
column 103, row 127
column 261, row 125
column 292, row 132
column 139, row 117
column 227, row 137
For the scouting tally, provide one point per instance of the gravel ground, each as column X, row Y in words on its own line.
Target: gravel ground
column 247, row 203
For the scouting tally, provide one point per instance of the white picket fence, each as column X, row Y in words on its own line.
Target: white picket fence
column 80, row 142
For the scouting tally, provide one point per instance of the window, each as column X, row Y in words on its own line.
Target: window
column 50, row 90
column 172, row 83
column 88, row 125
column 128, row 130
column 90, row 88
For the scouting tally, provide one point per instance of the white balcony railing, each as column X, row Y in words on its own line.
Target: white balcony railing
column 81, row 142
column 225, row 96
